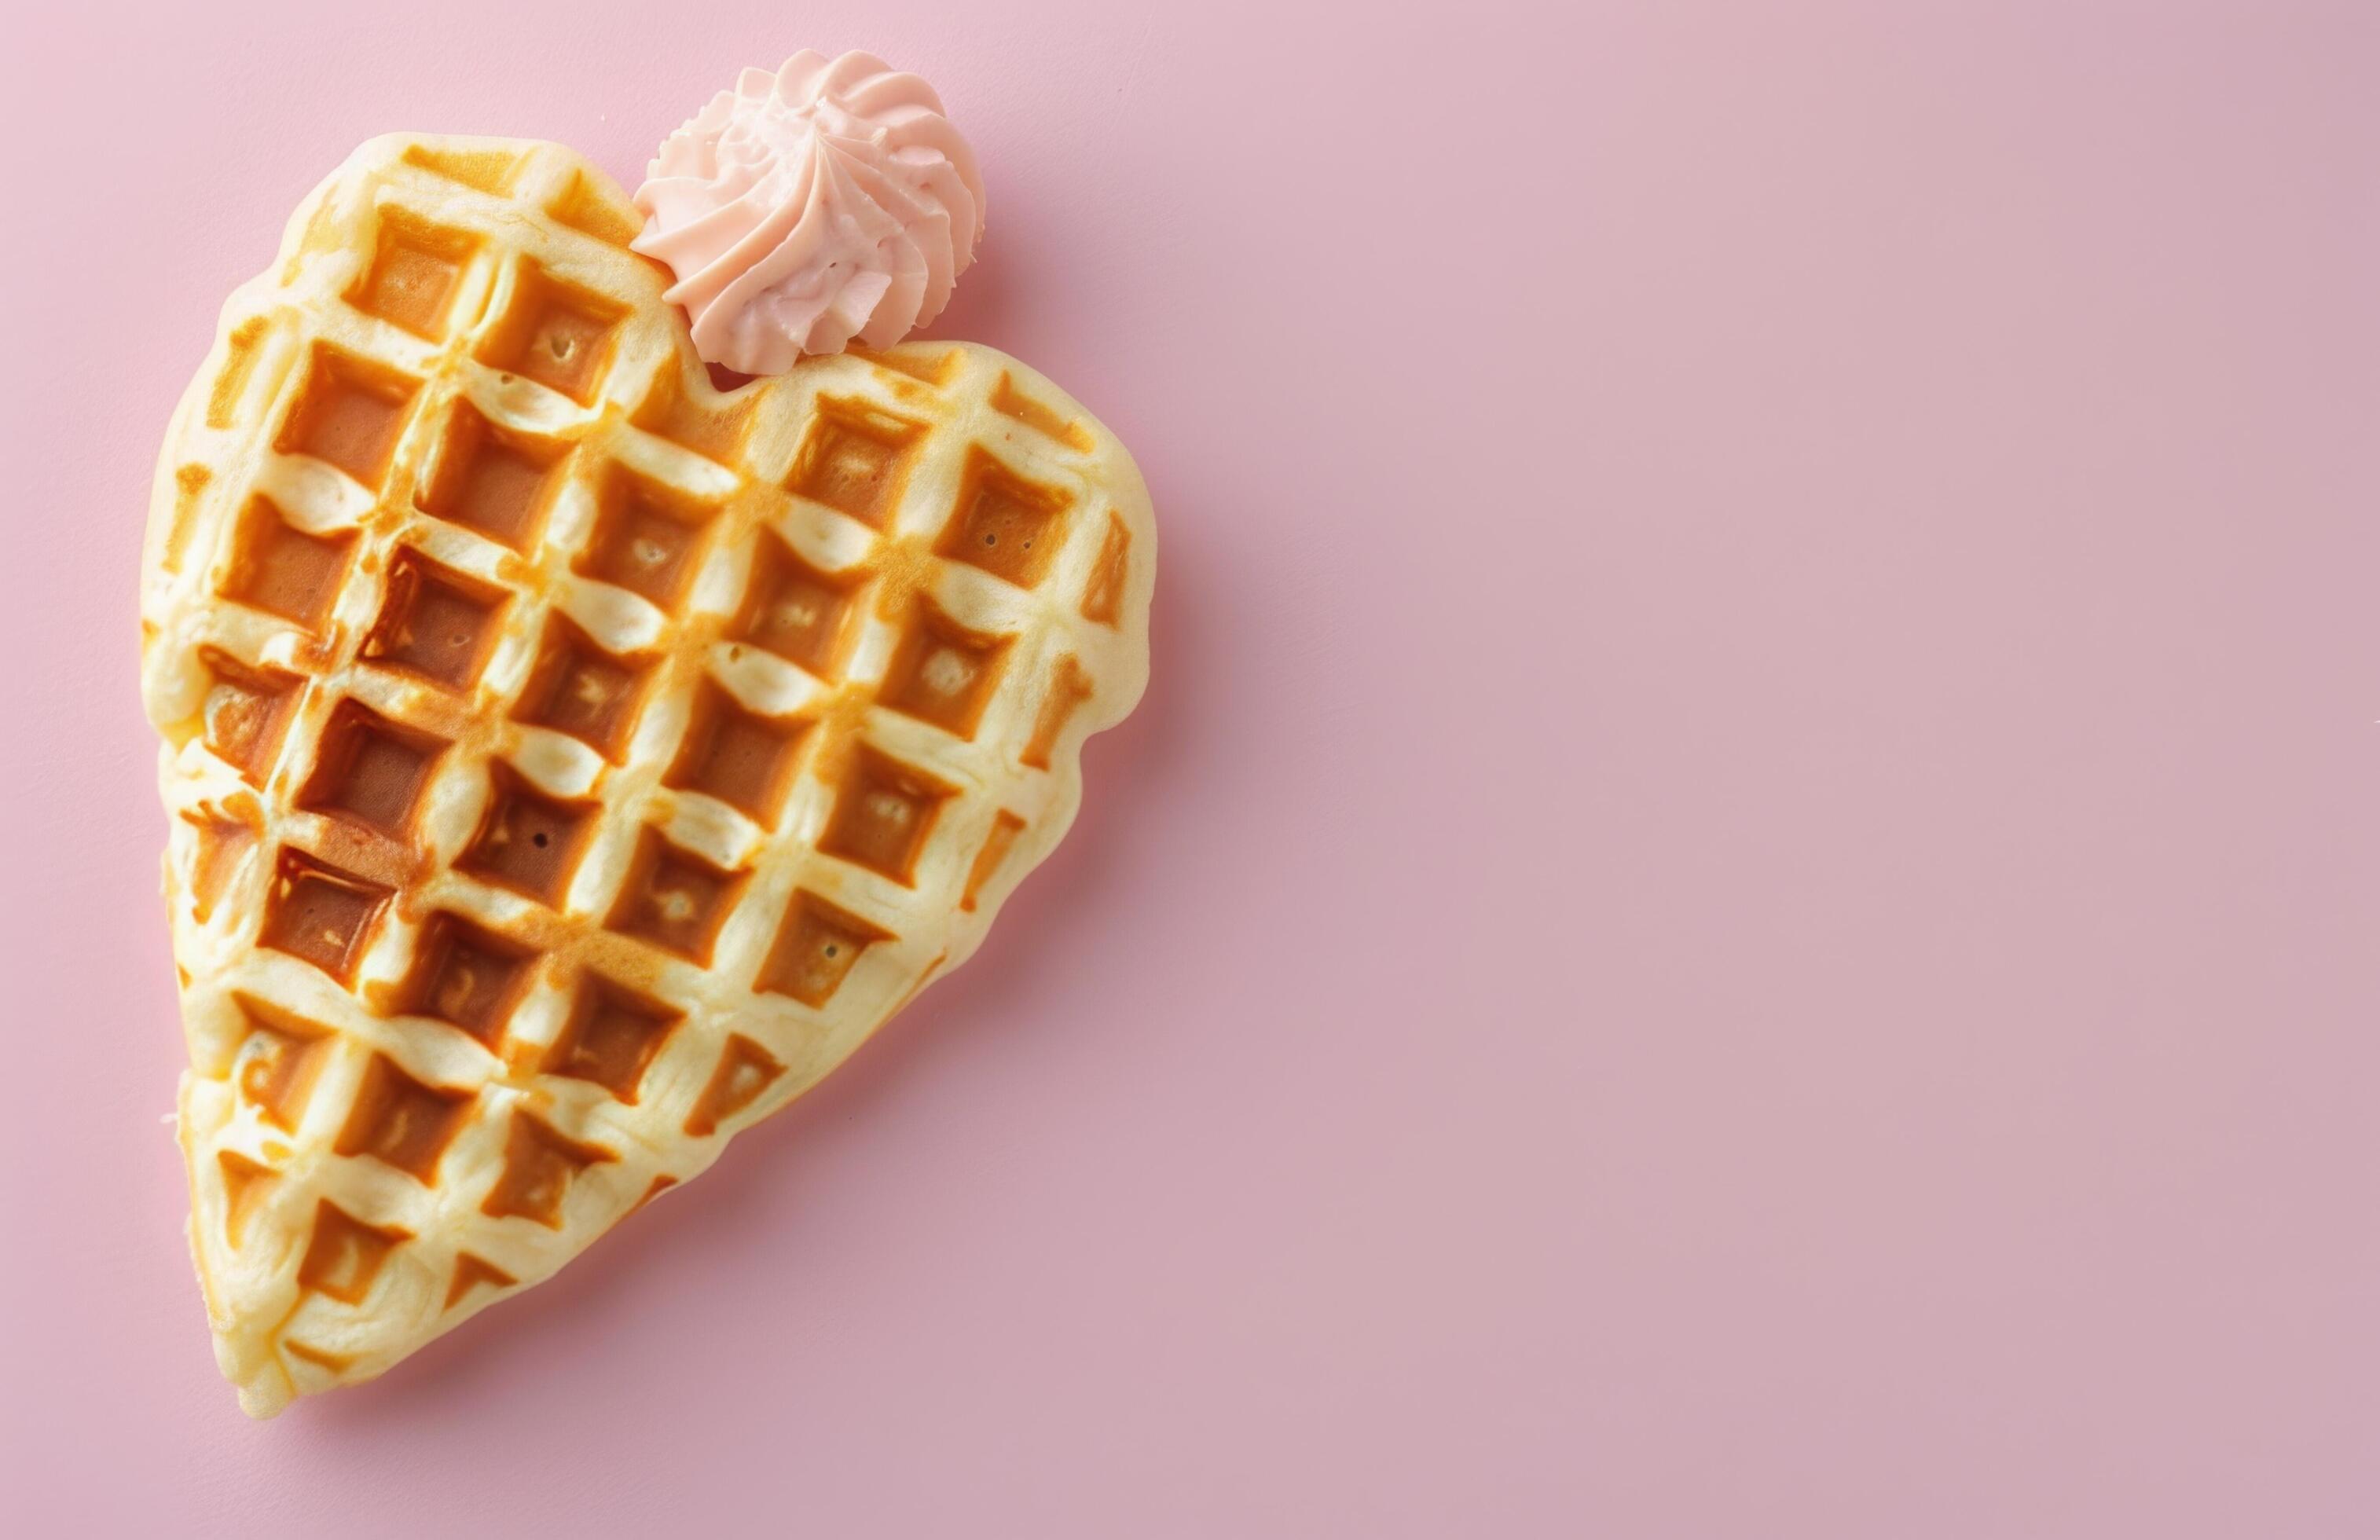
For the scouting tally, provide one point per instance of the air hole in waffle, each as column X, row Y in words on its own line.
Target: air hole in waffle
column 529, row 842
column 883, row 811
column 246, row 714
column 349, row 413
column 942, row 673
column 277, row 1061
column 415, row 268
column 1002, row 523
column 398, row 1120
column 745, row 1070
column 744, row 759
column 560, row 336
column 578, row 688
column 675, row 899
column 283, row 571
column 467, row 976
column 321, row 914
column 434, row 622
column 346, row 1253
column 370, row 770
column 855, row 460
column 814, row 949
column 647, row 537
column 794, row 609
column 540, row 1165
column 611, row 1036
column 493, row 479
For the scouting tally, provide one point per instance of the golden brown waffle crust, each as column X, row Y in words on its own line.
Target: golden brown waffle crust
column 450, row 474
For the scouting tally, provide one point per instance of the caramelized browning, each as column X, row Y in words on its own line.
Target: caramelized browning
column 794, row 609
column 239, row 362
column 278, row 1061
column 1004, row 829
column 1103, row 595
column 223, row 845
column 245, row 712
column 321, row 914
column 413, row 275
column 560, row 336
column 671, row 412
column 1006, row 398
column 283, row 571
column 435, row 622
column 647, row 537
column 467, row 976
column 245, row 1183
column 470, row 1272
column 1068, row 690
column 402, row 1122
column 488, row 171
column 744, row 759
column 1005, row 524
column 346, row 1253
column 745, row 1070
column 493, row 479
column 529, row 842
column 540, row 1165
column 855, row 460
column 882, row 813
column 348, row 413
column 370, row 770
column 675, row 899
column 584, row 208
column 942, row 673
column 579, row 688
column 612, row 1036
column 814, row 949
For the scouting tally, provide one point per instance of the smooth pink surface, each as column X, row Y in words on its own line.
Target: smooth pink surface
column 1744, row 904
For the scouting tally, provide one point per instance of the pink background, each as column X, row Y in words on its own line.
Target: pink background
column 1744, row 904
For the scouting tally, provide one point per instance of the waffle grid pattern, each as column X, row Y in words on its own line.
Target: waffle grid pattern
column 570, row 763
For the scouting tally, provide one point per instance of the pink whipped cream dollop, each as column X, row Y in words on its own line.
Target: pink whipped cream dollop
column 828, row 201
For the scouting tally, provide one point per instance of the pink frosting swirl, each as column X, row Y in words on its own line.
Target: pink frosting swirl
column 828, row 201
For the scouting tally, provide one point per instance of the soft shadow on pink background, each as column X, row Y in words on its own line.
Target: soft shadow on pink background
column 1744, row 905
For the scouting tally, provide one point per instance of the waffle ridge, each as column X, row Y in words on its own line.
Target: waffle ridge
column 569, row 763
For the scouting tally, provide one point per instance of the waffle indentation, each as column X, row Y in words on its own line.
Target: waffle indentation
column 470, row 1272
column 321, row 914
column 942, row 673
column 400, row 1121
column 578, row 688
column 346, row 1253
column 675, row 899
column 414, row 271
column 529, row 842
column 493, row 480
column 246, row 714
column 280, row 569
column 883, row 811
column 647, row 537
column 435, row 622
column 222, row 844
column 814, row 949
column 855, row 460
column 278, row 1061
column 370, row 770
column 560, row 336
column 611, row 1037
column 670, row 411
column 744, row 759
column 1069, row 688
column 349, row 413
column 745, row 1070
column 244, row 1181
column 1103, row 595
column 1002, row 523
column 794, row 609
column 467, row 976
column 1004, row 829
column 540, row 1165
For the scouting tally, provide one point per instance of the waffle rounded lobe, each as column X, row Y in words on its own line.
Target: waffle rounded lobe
column 569, row 763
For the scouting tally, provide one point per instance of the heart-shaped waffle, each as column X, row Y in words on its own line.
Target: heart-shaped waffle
column 569, row 763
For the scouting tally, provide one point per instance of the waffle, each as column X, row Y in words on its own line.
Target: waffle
column 569, row 763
